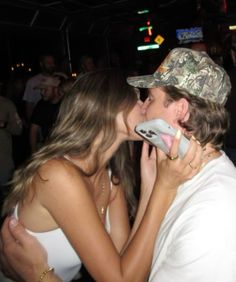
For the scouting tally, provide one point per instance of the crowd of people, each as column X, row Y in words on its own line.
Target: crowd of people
column 28, row 110
column 72, row 202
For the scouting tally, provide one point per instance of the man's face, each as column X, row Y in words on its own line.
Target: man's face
column 155, row 107
column 48, row 64
column 48, row 93
column 88, row 65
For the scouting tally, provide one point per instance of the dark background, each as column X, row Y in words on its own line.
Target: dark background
column 105, row 29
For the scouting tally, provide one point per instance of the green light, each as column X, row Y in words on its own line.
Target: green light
column 143, row 12
column 147, row 47
column 145, row 28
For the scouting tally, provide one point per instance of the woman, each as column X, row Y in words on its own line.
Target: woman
column 73, row 175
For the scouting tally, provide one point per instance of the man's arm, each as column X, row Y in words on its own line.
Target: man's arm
column 14, row 123
column 29, row 260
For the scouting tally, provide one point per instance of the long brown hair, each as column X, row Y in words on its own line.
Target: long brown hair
column 87, row 110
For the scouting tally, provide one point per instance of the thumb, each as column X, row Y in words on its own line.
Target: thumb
column 17, row 231
column 160, row 155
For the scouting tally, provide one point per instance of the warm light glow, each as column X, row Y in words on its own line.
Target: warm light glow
column 74, row 74
column 232, row 27
column 150, row 31
column 12, row 68
column 29, row 69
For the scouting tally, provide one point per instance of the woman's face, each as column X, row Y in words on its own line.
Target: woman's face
column 135, row 116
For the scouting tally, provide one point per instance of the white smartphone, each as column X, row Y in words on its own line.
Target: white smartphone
column 161, row 134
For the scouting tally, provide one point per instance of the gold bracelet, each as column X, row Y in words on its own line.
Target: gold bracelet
column 44, row 273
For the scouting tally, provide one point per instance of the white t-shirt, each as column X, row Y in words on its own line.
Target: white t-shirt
column 32, row 93
column 197, row 238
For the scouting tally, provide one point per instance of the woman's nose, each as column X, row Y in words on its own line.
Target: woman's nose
column 141, row 103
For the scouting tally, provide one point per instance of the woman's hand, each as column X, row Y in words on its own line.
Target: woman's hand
column 148, row 167
column 172, row 171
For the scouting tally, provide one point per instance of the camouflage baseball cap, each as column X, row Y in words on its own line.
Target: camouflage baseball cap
column 191, row 70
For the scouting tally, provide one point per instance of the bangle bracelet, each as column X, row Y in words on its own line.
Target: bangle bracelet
column 44, row 273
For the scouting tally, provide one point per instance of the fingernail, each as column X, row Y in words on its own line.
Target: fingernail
column 202, row 165
column 178, row 134
column 13, row 223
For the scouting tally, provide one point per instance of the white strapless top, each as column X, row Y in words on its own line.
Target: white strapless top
column 61, row 254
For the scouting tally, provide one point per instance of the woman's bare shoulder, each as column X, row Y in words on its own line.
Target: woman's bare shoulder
column 58, row 169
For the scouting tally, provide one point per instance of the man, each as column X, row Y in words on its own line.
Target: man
column 10, row 125
column 86, row 64
column 196, row 241
column 32, row 93
column 45, row 112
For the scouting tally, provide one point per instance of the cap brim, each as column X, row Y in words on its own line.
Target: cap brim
column 144, row 81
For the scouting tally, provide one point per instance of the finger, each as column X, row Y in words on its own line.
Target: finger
column 160, row 155
column 6, row 236
column 175, row 144
column 18, row 232
column 196, row 162
column 145, row 150
column 148, row 151
column 153, row 153
column 190, row 155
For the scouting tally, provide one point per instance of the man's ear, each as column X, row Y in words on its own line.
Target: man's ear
column 182, row 110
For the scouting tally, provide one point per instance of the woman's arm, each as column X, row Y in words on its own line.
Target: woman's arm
column 148, row 176
column 118, row 216
column 86, row 232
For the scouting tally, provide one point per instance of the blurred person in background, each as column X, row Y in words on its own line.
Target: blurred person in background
column 10, row 124
column 32, row 93
column 86, row 64
column 46, row 110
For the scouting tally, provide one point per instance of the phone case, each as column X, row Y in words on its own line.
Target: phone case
column 160, row 134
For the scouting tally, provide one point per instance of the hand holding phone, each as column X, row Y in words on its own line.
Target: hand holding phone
column 161, row 134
